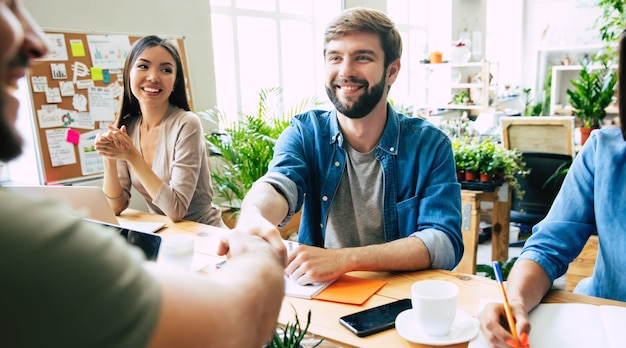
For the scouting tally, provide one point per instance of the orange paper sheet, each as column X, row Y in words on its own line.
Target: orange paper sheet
column 349, row 289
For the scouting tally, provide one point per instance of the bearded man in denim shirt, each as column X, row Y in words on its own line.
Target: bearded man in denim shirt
column 378, row 189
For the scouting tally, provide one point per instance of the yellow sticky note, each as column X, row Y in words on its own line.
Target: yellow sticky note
column 77, row 47
column 96, row 74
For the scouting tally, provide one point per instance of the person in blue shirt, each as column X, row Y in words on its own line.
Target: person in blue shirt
column 591, row 201
column 377, row 189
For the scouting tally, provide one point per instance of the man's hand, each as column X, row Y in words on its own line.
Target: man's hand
column 261, row 229
column 235, row 243
column 308, row 264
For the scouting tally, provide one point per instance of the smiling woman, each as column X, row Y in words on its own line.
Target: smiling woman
column 156, row 144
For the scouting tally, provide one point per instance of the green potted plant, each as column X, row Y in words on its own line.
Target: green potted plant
column 486, row 151
column 246, row 146
column 292, row 335
column 458, row 149
column 466, row 159
column 493, row 160
column 592, row 93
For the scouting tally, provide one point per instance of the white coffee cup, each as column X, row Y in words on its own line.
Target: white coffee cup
column 177, row 250
column 434, row 305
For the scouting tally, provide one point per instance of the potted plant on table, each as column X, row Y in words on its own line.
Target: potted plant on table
column 592, row 93
column 246, row 146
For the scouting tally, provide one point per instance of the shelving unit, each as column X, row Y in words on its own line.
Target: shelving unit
column 562, row 75
column 553, row 56
column 436, row 85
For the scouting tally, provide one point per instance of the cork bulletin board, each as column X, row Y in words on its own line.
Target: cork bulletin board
column 75, row 92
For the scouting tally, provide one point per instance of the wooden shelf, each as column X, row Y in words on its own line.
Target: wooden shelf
column 437, row 85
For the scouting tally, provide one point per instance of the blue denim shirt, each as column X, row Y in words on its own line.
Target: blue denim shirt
column 592, row 199
column 421, row 193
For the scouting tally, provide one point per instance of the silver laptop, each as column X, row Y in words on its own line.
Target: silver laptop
column 88, row 202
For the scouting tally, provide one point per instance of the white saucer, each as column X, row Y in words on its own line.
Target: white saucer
column 464, row 328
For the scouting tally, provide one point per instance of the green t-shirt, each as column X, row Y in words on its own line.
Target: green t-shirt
column 67, row 283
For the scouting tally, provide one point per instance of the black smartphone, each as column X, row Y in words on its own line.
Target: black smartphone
column 149, row 243
column 376, row 319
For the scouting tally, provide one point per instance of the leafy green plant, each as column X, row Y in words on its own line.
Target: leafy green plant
column 561, row 171
column 292, row 335
column 461, row 97
column 489, row 158
column 247, row 145
column 505, row 268
column 530, row 108
column 613, row 19
column 593, row 92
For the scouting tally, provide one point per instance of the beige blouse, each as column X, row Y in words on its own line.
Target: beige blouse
column 181, row 162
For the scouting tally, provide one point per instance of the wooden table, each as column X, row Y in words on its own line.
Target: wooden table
column 470, row 225
column 325, row 315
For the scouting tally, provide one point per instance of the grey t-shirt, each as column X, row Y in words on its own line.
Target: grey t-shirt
column 355, row 215
column 67, row 283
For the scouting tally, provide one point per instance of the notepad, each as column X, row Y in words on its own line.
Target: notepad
column 293, row 289
column 349, row 289
column 345, row 289
column 573, row 325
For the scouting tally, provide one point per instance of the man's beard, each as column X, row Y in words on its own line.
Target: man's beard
column 362, row 106
column 10, row 141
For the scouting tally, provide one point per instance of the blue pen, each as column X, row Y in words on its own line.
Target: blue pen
column 507, row 307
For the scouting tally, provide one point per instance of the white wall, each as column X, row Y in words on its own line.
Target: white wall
column 555, row 24
column 190, row 19
column 375, row 4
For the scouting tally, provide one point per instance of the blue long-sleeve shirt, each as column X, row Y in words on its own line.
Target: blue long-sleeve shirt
column 592, row 198
column 421, row 196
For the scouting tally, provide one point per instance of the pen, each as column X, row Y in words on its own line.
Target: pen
column 507, row 307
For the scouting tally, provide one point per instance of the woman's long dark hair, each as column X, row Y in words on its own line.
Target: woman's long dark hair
column 130, row 104
column 621, row 83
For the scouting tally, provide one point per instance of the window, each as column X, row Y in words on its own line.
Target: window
column 503, row 39
column 425, row 26
column 268, row 43
column 279, row 43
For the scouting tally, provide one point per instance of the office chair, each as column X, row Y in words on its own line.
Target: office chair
column 540, row 186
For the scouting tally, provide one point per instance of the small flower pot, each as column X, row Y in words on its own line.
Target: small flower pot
column 460, row 175
column 585, row 133
column 471, row 176
column 486, row 177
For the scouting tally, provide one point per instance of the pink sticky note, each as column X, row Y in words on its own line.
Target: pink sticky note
column 73, row 136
